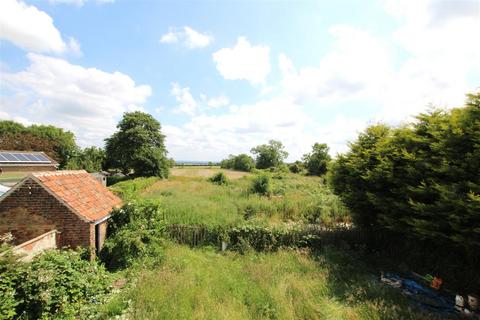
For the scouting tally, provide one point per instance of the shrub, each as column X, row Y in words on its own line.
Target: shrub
column 56, row 283
column 131, row 244
column 421, row 179
column 219, row 178
column 316, row 162
column 241, row 162
column 295, row 167
column 262, row 185
column 228, row 163
column 11, row 271
column 135, row 232
column 244, row 162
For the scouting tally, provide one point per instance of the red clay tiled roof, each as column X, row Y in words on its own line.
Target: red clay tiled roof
column 76, row 188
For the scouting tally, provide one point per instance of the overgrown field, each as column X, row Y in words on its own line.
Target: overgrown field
column 205, row 284
column 255, row 278
column 189, row 198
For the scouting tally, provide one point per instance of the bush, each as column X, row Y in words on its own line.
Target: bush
column 295, row 167
column 244, row 162
column 325, row 208
column 11, row 273
column 316, row 162
column 262, row 185
column 219, row 178
column 56, row 283
column 130, row 245
column 61, row 283
column 421, row 180
column 241, row 162
column 135, row 233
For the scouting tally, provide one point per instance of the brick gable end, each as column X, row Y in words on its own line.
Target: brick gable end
column 29, row 210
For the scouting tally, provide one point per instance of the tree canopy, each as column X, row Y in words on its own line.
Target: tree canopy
column 138, row 145
column 422, row 178
column 90, row 159
column 241, row 162
column 269, row 155
column 55, row 142
column 316, row 161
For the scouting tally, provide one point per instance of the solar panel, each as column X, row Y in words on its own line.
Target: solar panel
column 37, row 157
column 23, row 157
column 9, row 157
column 30, row 157
column 42, row 157
column 20, row 156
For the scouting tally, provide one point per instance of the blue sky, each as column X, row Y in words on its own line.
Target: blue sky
column 222, row 77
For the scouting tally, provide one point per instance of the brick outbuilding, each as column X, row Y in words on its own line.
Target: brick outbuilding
column 72, row 202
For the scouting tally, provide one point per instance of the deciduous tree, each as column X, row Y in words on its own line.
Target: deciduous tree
column 269, row 155
column 138, row 146
column 317, row 161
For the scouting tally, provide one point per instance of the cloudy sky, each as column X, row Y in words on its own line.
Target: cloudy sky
column 222, row 77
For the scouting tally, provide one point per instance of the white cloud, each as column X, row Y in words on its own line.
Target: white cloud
column 238, row 130
column 285, row 64
column 442, row 53
column 188, row 37
column 74, row 47
column 440, row 56
column 29, row 28
column 170, row 37
column 213, row 137
column 359, row 68
column 357, row 65
column 243, row 62
column 439, row 29
column 187, row 103
column 217, row 102
column 87, row 101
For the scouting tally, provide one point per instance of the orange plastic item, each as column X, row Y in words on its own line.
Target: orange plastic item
column 436, row 283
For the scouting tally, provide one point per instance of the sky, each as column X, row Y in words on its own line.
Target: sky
column 224, row 76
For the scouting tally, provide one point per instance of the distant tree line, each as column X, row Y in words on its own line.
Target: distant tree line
column 137, row 148
column 273, row 155
column 421, row 179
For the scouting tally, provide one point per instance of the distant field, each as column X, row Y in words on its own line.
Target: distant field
column 10, row 178
column 205, row 171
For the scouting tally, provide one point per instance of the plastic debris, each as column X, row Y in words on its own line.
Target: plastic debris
column 425, row 297
column 430, row 298
column 436, row 283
